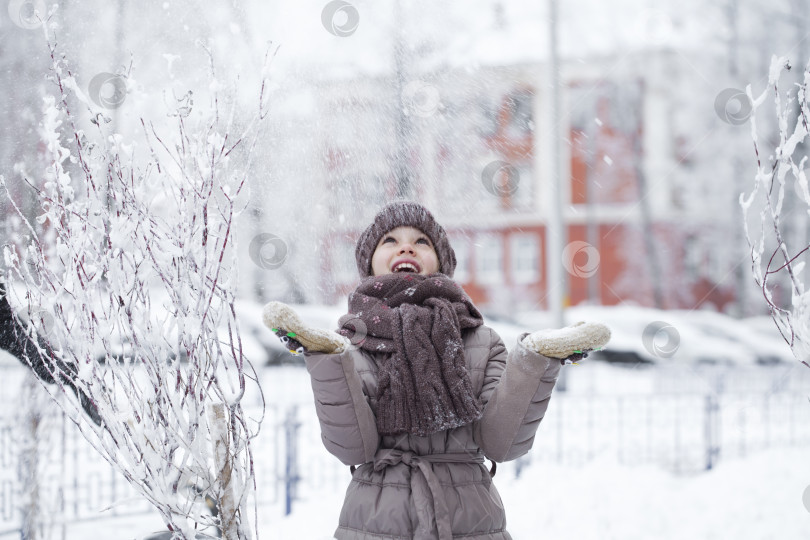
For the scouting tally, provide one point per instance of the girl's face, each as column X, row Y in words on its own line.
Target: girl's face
column 404, row 249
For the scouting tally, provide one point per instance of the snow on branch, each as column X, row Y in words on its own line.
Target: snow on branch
column 771, row 254
column 128, row 280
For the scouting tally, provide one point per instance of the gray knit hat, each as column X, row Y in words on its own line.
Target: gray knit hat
column 404, row 214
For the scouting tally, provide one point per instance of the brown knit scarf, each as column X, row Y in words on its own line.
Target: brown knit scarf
column 423, row 385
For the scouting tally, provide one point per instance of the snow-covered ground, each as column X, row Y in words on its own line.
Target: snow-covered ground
column 619, row 455
column 758, row 498
column 612, row 494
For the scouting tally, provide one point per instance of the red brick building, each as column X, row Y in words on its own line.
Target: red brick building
column 625, row 239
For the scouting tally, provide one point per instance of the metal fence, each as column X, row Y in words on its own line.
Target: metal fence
column 74, row 483
column 681, row 431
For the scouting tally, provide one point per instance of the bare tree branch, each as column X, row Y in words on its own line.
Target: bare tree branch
column 793, row 320
column 129, row 293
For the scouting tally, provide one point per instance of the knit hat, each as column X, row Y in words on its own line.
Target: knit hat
column 404, row 214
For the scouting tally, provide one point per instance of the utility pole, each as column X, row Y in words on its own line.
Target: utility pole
column 555, row 230
column 556, row 234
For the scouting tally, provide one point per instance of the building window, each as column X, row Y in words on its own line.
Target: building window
column 691, row 259
column 487, row 122
column 519, row 107
column 489, row 259
column 524, row 250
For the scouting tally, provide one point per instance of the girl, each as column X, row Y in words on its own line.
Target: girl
column 423, row 391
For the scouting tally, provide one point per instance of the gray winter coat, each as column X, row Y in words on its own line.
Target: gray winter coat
column 436, row 487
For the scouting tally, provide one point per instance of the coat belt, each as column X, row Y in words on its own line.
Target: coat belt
column 387, row 456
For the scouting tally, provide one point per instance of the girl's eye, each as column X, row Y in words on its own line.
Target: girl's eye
column 392, row 239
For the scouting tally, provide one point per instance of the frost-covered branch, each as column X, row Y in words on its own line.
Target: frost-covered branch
column 773, row 256
column 128, row 279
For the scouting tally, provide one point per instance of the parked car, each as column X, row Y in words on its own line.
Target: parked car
column 650, row 336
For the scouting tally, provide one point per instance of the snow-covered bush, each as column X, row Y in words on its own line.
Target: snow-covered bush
column 774, row 254
column 133, row 255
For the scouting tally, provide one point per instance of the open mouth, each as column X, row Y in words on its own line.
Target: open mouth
column 405, row 267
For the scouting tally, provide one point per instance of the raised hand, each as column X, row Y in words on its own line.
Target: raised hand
column 288, row 340
column 569, row 344
column 298, row 336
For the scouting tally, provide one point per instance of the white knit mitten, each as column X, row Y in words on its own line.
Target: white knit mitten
column 568, row 341
column 281, row 319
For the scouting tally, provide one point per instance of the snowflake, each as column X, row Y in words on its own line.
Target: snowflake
column 380, row 346
column 376, row 319
column 410, row 290
column 365, row 299
column 378, row 286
